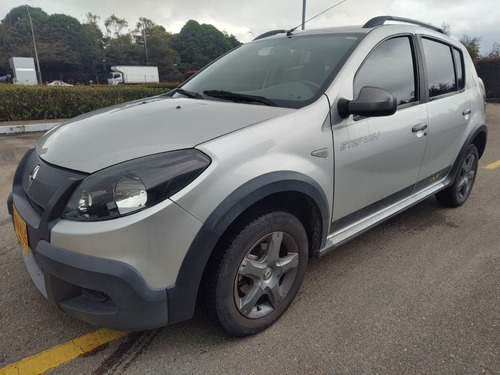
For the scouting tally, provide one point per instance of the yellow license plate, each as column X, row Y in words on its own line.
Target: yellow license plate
column 21, row 231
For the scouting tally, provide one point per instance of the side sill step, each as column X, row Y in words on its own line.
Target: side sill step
column 347, row 233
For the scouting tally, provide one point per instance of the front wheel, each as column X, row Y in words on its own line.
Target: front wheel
column 257, row 274
column 456, row 194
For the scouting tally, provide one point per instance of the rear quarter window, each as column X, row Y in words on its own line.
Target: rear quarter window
column 458, row 59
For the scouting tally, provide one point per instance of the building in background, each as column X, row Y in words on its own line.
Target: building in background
column 24, row 70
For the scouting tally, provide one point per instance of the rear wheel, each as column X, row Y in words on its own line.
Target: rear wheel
column 456, row 194
column 257, row 274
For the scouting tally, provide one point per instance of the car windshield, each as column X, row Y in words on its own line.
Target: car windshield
column 284, row 71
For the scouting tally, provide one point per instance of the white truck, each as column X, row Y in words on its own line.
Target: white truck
column 133, row 74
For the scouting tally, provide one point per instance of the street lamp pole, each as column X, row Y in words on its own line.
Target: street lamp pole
column 303, row 14
column 34, row 45
column 145, row 43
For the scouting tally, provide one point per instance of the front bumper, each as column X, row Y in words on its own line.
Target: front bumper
column 103, row 292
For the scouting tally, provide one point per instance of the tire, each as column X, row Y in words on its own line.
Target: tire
column 257, row 274
column 456, row 194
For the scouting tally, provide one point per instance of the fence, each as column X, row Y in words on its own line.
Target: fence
column 489, row 71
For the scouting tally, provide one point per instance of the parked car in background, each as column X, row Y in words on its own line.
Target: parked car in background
column 58, row 83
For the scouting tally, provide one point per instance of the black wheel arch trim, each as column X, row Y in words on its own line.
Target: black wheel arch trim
column 482, row 128
column 182, row 296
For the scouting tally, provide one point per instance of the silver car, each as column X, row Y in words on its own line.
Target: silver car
column 218, row 192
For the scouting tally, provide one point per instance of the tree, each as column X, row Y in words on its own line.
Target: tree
column 143, row 30
column 121, row 51
column 199, row 44
column 113, row 23
column 92, row 52
column 446, row 28
column 233, row 42
column 68, row 48
column 186, row 43
column 91, row 18
column 15, row 34
column 472, row 45
column 495, row 51
column 160, row 52
column 60, row 44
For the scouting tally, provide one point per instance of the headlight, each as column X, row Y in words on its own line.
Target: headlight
column 131, row 186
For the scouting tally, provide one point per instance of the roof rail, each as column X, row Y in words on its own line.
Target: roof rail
column 378, row 21
column 270, row 33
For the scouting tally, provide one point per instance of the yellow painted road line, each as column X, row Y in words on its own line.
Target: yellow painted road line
column 492, row 166
column 58, row 355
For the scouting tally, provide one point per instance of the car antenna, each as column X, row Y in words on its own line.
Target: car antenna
column 289, row 32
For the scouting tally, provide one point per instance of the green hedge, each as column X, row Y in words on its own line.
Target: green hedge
column 52, row 102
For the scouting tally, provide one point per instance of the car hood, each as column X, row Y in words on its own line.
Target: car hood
column 112, row 135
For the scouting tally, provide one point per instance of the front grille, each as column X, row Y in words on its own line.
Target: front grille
column 41, row 198
column 47, row 184
column 37, row 207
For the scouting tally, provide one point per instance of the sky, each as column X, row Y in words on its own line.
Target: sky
column 246, row 19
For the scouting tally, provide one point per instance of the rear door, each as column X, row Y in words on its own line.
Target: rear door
column 449, row 108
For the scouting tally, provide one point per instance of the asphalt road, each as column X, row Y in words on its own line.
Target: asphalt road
column 418, row 294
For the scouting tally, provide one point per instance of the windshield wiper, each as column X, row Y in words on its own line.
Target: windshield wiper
column 239, row 98
column 189, row 94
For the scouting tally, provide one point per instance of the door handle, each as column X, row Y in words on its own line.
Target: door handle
column 467, row 112
column 419, row 127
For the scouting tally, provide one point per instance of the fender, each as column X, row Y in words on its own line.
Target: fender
column 182, row 296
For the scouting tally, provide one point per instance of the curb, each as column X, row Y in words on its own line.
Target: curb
column 11, row 129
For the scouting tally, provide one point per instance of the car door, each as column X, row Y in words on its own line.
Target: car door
column 377, row 160
column 449, row 108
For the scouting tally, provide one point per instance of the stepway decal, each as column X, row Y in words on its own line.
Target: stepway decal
column 359, row 141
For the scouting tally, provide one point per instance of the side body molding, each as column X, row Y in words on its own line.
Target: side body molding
column 182, row 296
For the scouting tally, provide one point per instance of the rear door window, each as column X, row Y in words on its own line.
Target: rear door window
column 444, row 65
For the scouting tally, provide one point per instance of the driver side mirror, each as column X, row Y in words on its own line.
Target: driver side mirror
column 371, row 102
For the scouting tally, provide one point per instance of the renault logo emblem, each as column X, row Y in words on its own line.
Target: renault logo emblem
column 32, row 175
